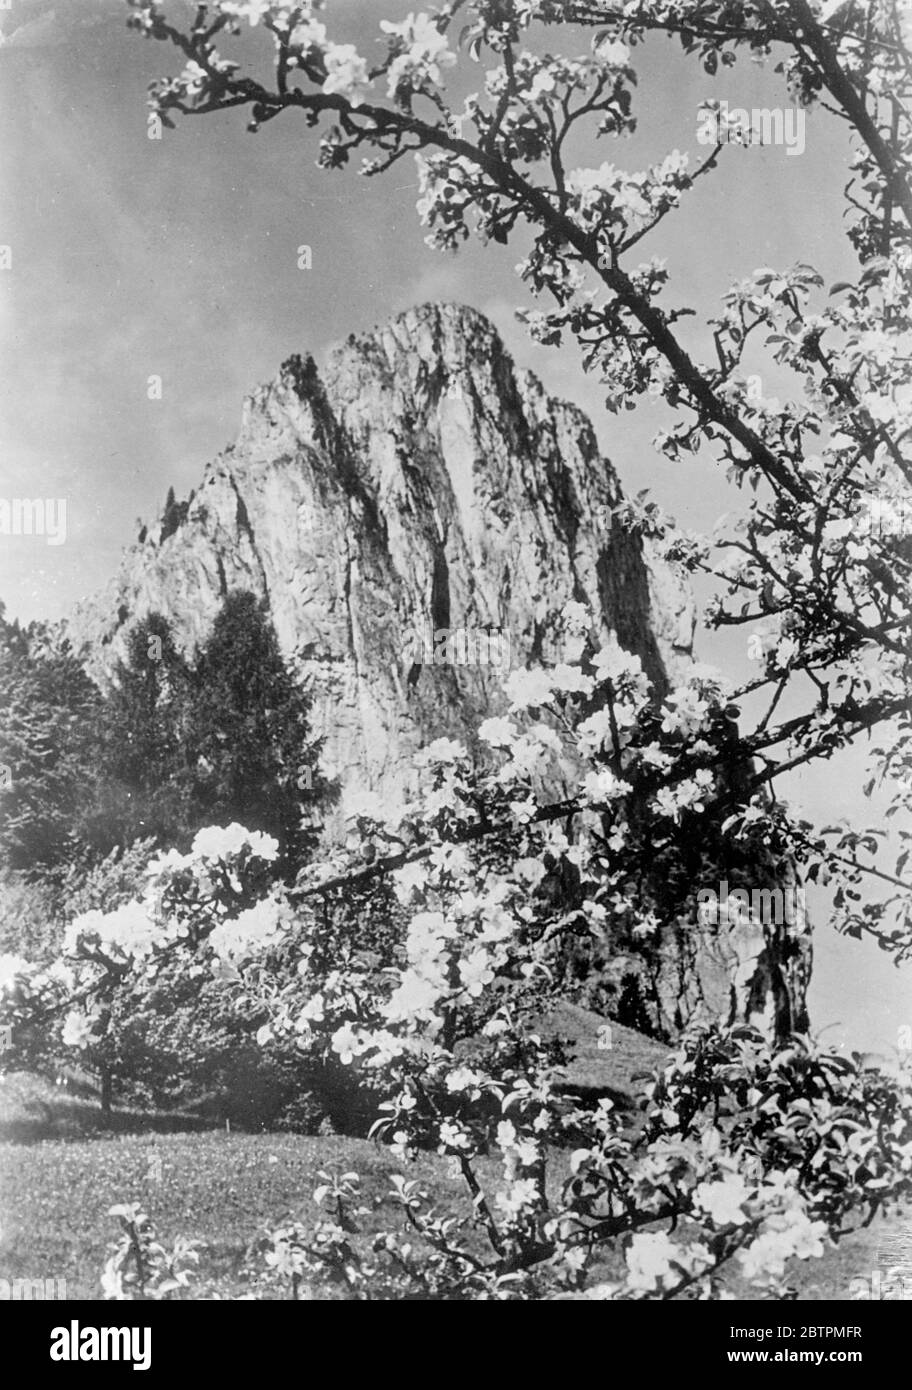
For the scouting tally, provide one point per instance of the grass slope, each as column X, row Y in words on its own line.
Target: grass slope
column 227, row 1189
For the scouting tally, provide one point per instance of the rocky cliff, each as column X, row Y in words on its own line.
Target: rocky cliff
column 417, row 483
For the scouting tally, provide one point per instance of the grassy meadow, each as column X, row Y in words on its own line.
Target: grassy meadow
column 63, row 1165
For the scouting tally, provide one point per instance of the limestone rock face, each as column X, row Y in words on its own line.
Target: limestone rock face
column 417, row 484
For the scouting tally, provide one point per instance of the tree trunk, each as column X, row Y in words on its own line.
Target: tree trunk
column 107, row 1088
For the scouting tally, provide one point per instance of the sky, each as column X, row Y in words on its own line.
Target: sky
column 132, row 258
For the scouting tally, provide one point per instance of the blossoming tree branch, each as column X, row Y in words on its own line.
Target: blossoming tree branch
column 800, row 555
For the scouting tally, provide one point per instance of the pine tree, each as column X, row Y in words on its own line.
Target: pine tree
column 48, row 749
column 148, row 784
column 249, row 732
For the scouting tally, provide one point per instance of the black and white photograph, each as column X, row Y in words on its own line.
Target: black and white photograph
column 456, row 663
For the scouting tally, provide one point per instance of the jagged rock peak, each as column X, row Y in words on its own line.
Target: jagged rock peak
column 417, row 481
